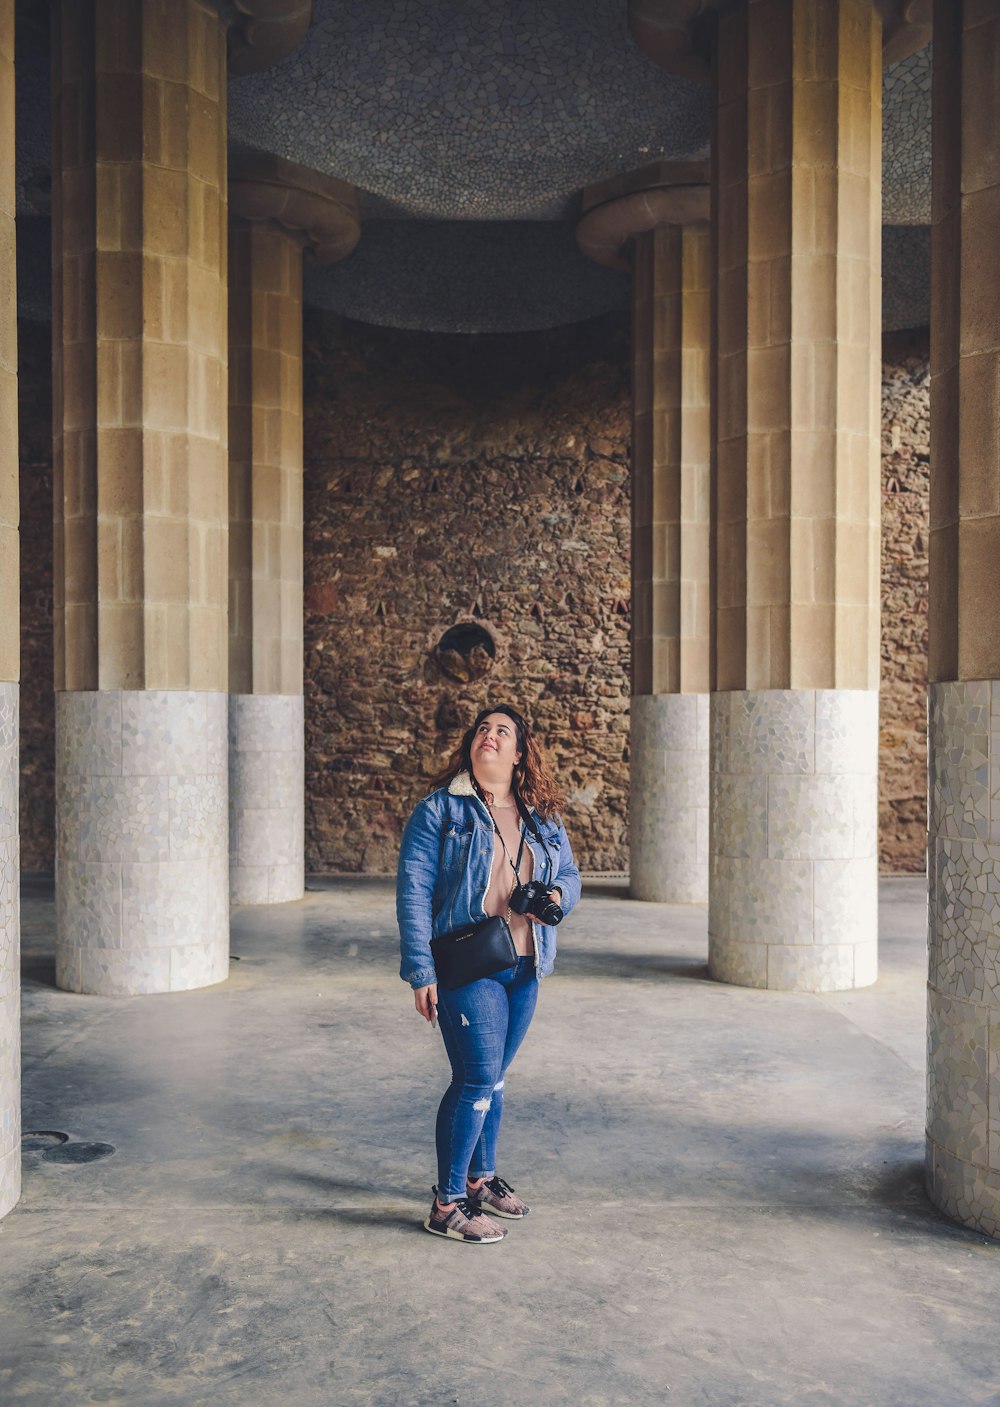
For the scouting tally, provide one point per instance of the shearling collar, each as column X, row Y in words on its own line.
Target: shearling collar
column 461, row 785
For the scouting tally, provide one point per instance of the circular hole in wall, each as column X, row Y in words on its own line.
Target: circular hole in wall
column 466, row 652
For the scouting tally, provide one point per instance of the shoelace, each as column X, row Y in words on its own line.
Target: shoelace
column 498, row 1187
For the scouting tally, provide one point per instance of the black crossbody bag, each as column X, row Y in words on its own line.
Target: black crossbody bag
column 478, row 949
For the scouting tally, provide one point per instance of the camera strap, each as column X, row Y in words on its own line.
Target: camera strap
column 514, row 864
column 529, row 822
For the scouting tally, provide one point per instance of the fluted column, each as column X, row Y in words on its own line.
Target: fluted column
column 795, row 590
column 10, row 928
column 655, row 223
column 141, row 518
column 963, row 1055
column 279, row 210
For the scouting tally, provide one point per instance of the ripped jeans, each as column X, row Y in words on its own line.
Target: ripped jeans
column 482, row 1024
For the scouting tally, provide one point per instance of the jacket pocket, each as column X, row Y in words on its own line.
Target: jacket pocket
column 455, row 845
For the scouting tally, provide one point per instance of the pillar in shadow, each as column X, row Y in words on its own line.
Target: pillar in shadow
column 139, row 406
column 10, row 931
column 654, row 222
column 963, row 861
column 278, row 212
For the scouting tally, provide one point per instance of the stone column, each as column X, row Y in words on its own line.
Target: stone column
column 141, row 518
column 963, row 1057
column 795, row 482
column 280, row 209
column 10, row 645
column 655, row 222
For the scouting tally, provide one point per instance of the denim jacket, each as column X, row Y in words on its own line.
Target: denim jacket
column 445, row 866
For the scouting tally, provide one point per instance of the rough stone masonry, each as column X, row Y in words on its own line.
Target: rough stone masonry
column 480, row 482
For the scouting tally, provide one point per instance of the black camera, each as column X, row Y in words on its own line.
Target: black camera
column 533, row 898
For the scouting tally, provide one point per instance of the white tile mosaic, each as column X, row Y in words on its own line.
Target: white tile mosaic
column 720, row 888
column 123, row 972
column 958, row 1077
column 793, row 835
column 171, row 733
column 10, row 769
column 740, row 964
column 10, row 918
column 845, row 901
column 739, row 815
column 285, row 883
column 199, row 817
column 10, row 952
column 965, row 1192
column 10, row 1180
column 89, row 903
column 113, row 818
column 773, row 731
column 771, row 901
column 866, row 963
column 266, row 797
column 993, row 1092
column 89, row 733
column 958, row 760
column 142, row 846
column 252, row 883
column 668, row 798
column 197, row 965
column 811, row 818
column 846, row 720
column 826, row 967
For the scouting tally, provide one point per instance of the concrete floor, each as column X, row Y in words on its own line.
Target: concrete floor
column 726, row 1185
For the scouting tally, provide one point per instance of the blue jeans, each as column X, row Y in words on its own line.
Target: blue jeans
column 482, row 1024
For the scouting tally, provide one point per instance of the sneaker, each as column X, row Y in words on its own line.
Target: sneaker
column 465, row 1222
column 499, row 1198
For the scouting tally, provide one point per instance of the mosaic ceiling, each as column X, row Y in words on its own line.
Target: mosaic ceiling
column 469, row 127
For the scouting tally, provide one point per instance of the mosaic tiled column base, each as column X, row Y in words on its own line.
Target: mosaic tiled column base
column 266, row 798
column 142, row 866
column 10, row 952
column 963, row 1005
column 668, row 798
column 793, row 869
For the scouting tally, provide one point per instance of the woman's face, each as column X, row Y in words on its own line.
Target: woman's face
column 494, row 747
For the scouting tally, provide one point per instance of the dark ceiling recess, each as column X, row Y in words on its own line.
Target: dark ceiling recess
column 465, row 652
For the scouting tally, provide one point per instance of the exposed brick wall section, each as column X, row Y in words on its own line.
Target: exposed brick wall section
column 448, row 479
column 526, row 437
column 905, row 520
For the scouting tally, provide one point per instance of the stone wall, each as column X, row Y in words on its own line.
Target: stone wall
column 480, row 480
column 38, row 717
column 449, row 480
column 905, row 518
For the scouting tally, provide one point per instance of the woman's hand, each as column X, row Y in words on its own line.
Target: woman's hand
column 425, row 999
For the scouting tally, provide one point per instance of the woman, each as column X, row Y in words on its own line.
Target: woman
column 491, row 825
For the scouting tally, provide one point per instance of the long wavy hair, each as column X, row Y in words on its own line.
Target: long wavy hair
column 533, row 782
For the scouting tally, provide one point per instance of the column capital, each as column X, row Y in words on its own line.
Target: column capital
column 263, row 32
column 677, row 34
column 616, row 211
column 322, row 210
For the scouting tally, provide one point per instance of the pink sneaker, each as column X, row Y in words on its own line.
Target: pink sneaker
column 499, row 1198
column 465, row 1222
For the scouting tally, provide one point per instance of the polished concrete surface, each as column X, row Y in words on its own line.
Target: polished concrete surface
column 726, row 1185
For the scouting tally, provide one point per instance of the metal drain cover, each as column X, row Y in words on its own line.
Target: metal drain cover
column 34, row 1140
column 77, row 1152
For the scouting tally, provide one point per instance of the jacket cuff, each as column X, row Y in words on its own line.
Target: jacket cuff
column 422, row 979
